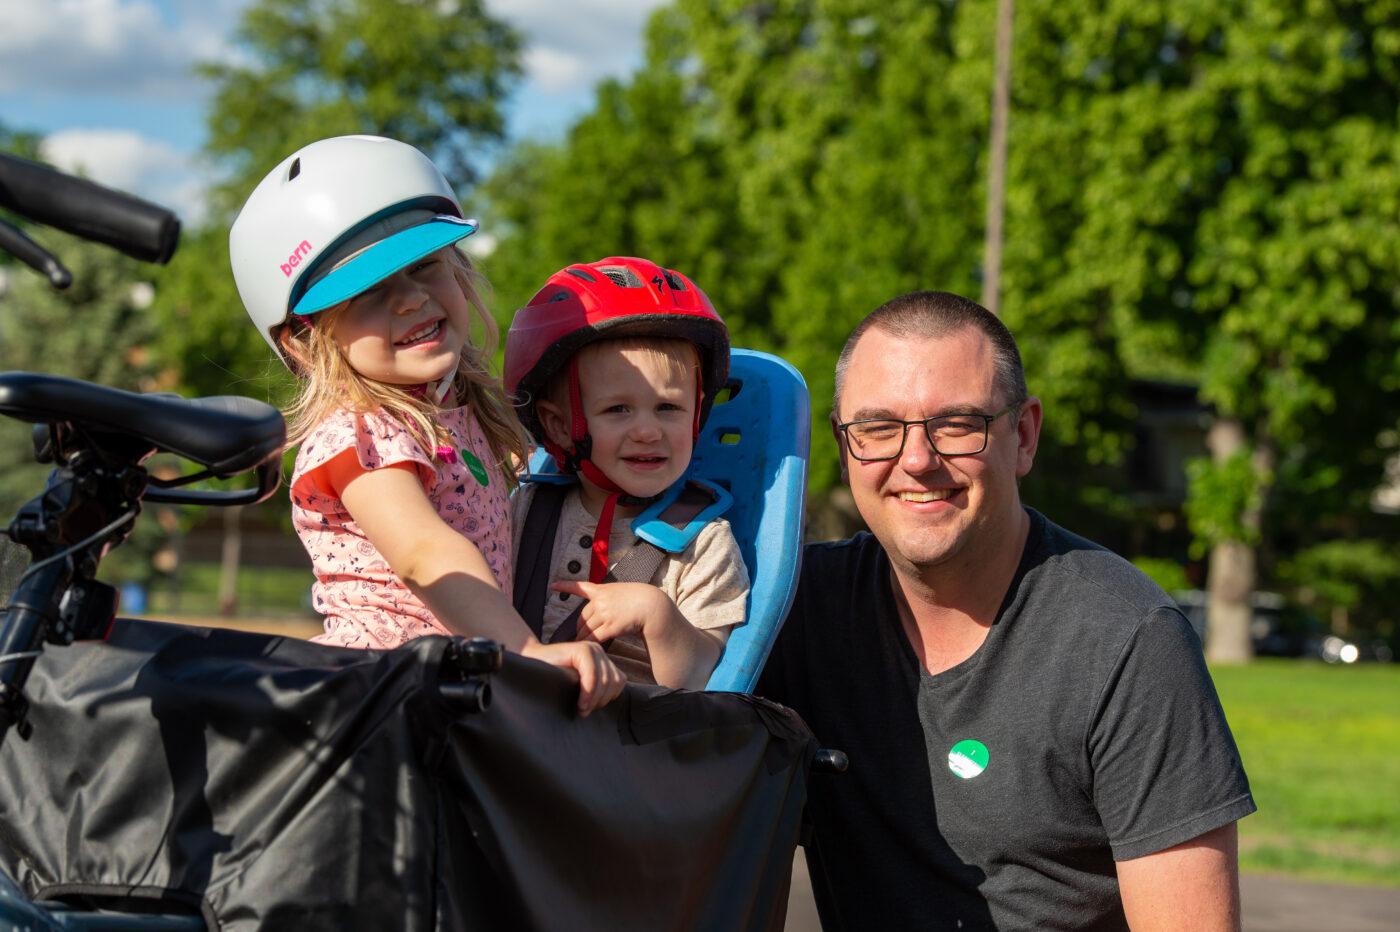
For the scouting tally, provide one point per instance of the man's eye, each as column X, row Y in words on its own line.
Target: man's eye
column 879, row 431
column 957, row 426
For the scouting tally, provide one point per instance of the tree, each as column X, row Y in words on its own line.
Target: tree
column 1228, row 215
column 1197, row 192
column 799, row 160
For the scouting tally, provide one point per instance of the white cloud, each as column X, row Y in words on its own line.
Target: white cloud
column 574, row 45
column 127, row 48
column 556, row 70
column 130, row 162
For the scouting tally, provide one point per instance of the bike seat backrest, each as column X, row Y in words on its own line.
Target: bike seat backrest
column 755, row 443
column 226, row 434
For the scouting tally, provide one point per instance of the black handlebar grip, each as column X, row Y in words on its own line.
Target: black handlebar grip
column 84, row 208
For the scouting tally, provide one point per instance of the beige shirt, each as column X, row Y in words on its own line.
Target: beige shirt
column 708, row 581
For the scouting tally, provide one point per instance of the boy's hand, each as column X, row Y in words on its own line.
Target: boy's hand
column 682, row 656
column 619, row 608
column 599, row 681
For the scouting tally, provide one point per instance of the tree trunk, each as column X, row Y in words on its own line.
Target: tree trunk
column 1233, row 570
column 1228, row 608
column 228, row 565
column 996, row 162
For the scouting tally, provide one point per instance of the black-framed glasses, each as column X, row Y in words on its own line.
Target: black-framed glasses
column 882, row 438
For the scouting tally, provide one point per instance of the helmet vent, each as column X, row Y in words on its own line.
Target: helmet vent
column 674, row 280
column 558, row 296
column 294, row 170
column 622, row 277
column 580, row 273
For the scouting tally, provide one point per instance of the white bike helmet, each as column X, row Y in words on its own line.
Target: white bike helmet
column 334, row 218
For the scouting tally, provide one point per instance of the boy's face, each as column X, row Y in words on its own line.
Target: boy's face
column 640, row 407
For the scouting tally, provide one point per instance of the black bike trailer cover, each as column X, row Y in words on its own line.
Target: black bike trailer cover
column 268, row 783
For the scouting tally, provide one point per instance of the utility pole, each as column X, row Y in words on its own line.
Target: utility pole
column 996, row 163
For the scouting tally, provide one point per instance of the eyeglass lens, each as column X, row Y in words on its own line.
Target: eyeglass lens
column 950, row 435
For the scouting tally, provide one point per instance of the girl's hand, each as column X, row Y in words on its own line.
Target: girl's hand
column 599, row 681
column 621, row 608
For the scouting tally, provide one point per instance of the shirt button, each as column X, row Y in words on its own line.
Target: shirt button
column 563, row 597
column 585, row 541
column 575, row 566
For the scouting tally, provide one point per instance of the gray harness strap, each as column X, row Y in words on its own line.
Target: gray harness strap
column 638, row 564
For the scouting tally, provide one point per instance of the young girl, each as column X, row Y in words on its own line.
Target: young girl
column 344, row 257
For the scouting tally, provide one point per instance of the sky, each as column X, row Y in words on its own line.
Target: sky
column 108, row 83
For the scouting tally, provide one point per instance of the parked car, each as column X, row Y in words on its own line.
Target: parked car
column 1280, row 628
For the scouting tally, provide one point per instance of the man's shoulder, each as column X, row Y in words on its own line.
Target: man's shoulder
column 1080, row 569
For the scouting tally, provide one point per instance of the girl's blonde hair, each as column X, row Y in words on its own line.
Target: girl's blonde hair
column 329, row 384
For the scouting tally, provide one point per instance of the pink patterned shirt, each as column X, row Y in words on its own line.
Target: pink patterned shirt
column 365, row 603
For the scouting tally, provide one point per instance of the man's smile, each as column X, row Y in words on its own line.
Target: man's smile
column 931, row 495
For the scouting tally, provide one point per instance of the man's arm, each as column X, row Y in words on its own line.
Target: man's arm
column 1194, row 885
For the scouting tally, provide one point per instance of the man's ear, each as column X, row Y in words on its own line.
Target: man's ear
column 1027, row 434
column 841, row 450
column 556, row 423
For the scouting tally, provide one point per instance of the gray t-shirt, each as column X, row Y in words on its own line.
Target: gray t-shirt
column 999, row 793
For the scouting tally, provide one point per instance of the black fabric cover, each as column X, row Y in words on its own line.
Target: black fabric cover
column 268, row 783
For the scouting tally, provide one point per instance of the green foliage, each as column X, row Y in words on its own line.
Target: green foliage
column 1221, row 494
column 95, row 330
column 1322, row 783
column 204, row 336
column 801, row 161
column 1168, row 574
column 1360, row 578
column 1197, row 192
column 430, row 73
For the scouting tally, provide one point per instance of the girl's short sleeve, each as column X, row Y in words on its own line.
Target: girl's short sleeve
column 377, row 440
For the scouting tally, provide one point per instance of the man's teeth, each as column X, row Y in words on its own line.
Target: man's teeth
column 941, row 495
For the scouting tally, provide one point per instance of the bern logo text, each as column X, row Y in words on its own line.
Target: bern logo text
column 295, row 258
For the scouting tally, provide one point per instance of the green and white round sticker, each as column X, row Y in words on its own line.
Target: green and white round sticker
column 968, row 758
column 475, row 467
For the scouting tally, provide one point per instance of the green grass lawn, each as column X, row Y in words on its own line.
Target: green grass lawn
column 1321, row 745
column 263, row 592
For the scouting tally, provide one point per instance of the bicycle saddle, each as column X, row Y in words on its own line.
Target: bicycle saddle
column 227, row 434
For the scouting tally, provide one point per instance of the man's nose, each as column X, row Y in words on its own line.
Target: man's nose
column 918, row 454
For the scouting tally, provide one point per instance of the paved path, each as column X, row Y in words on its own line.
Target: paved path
column 1271, row 904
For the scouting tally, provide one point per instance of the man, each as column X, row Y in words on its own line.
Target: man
column 1034, row 740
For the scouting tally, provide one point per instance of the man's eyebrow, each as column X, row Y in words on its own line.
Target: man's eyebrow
column 881, row 414
column 872, row 414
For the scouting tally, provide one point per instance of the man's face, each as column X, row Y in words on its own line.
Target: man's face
column 932, row 512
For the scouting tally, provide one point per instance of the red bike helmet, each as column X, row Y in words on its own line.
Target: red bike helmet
column 604, row 300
